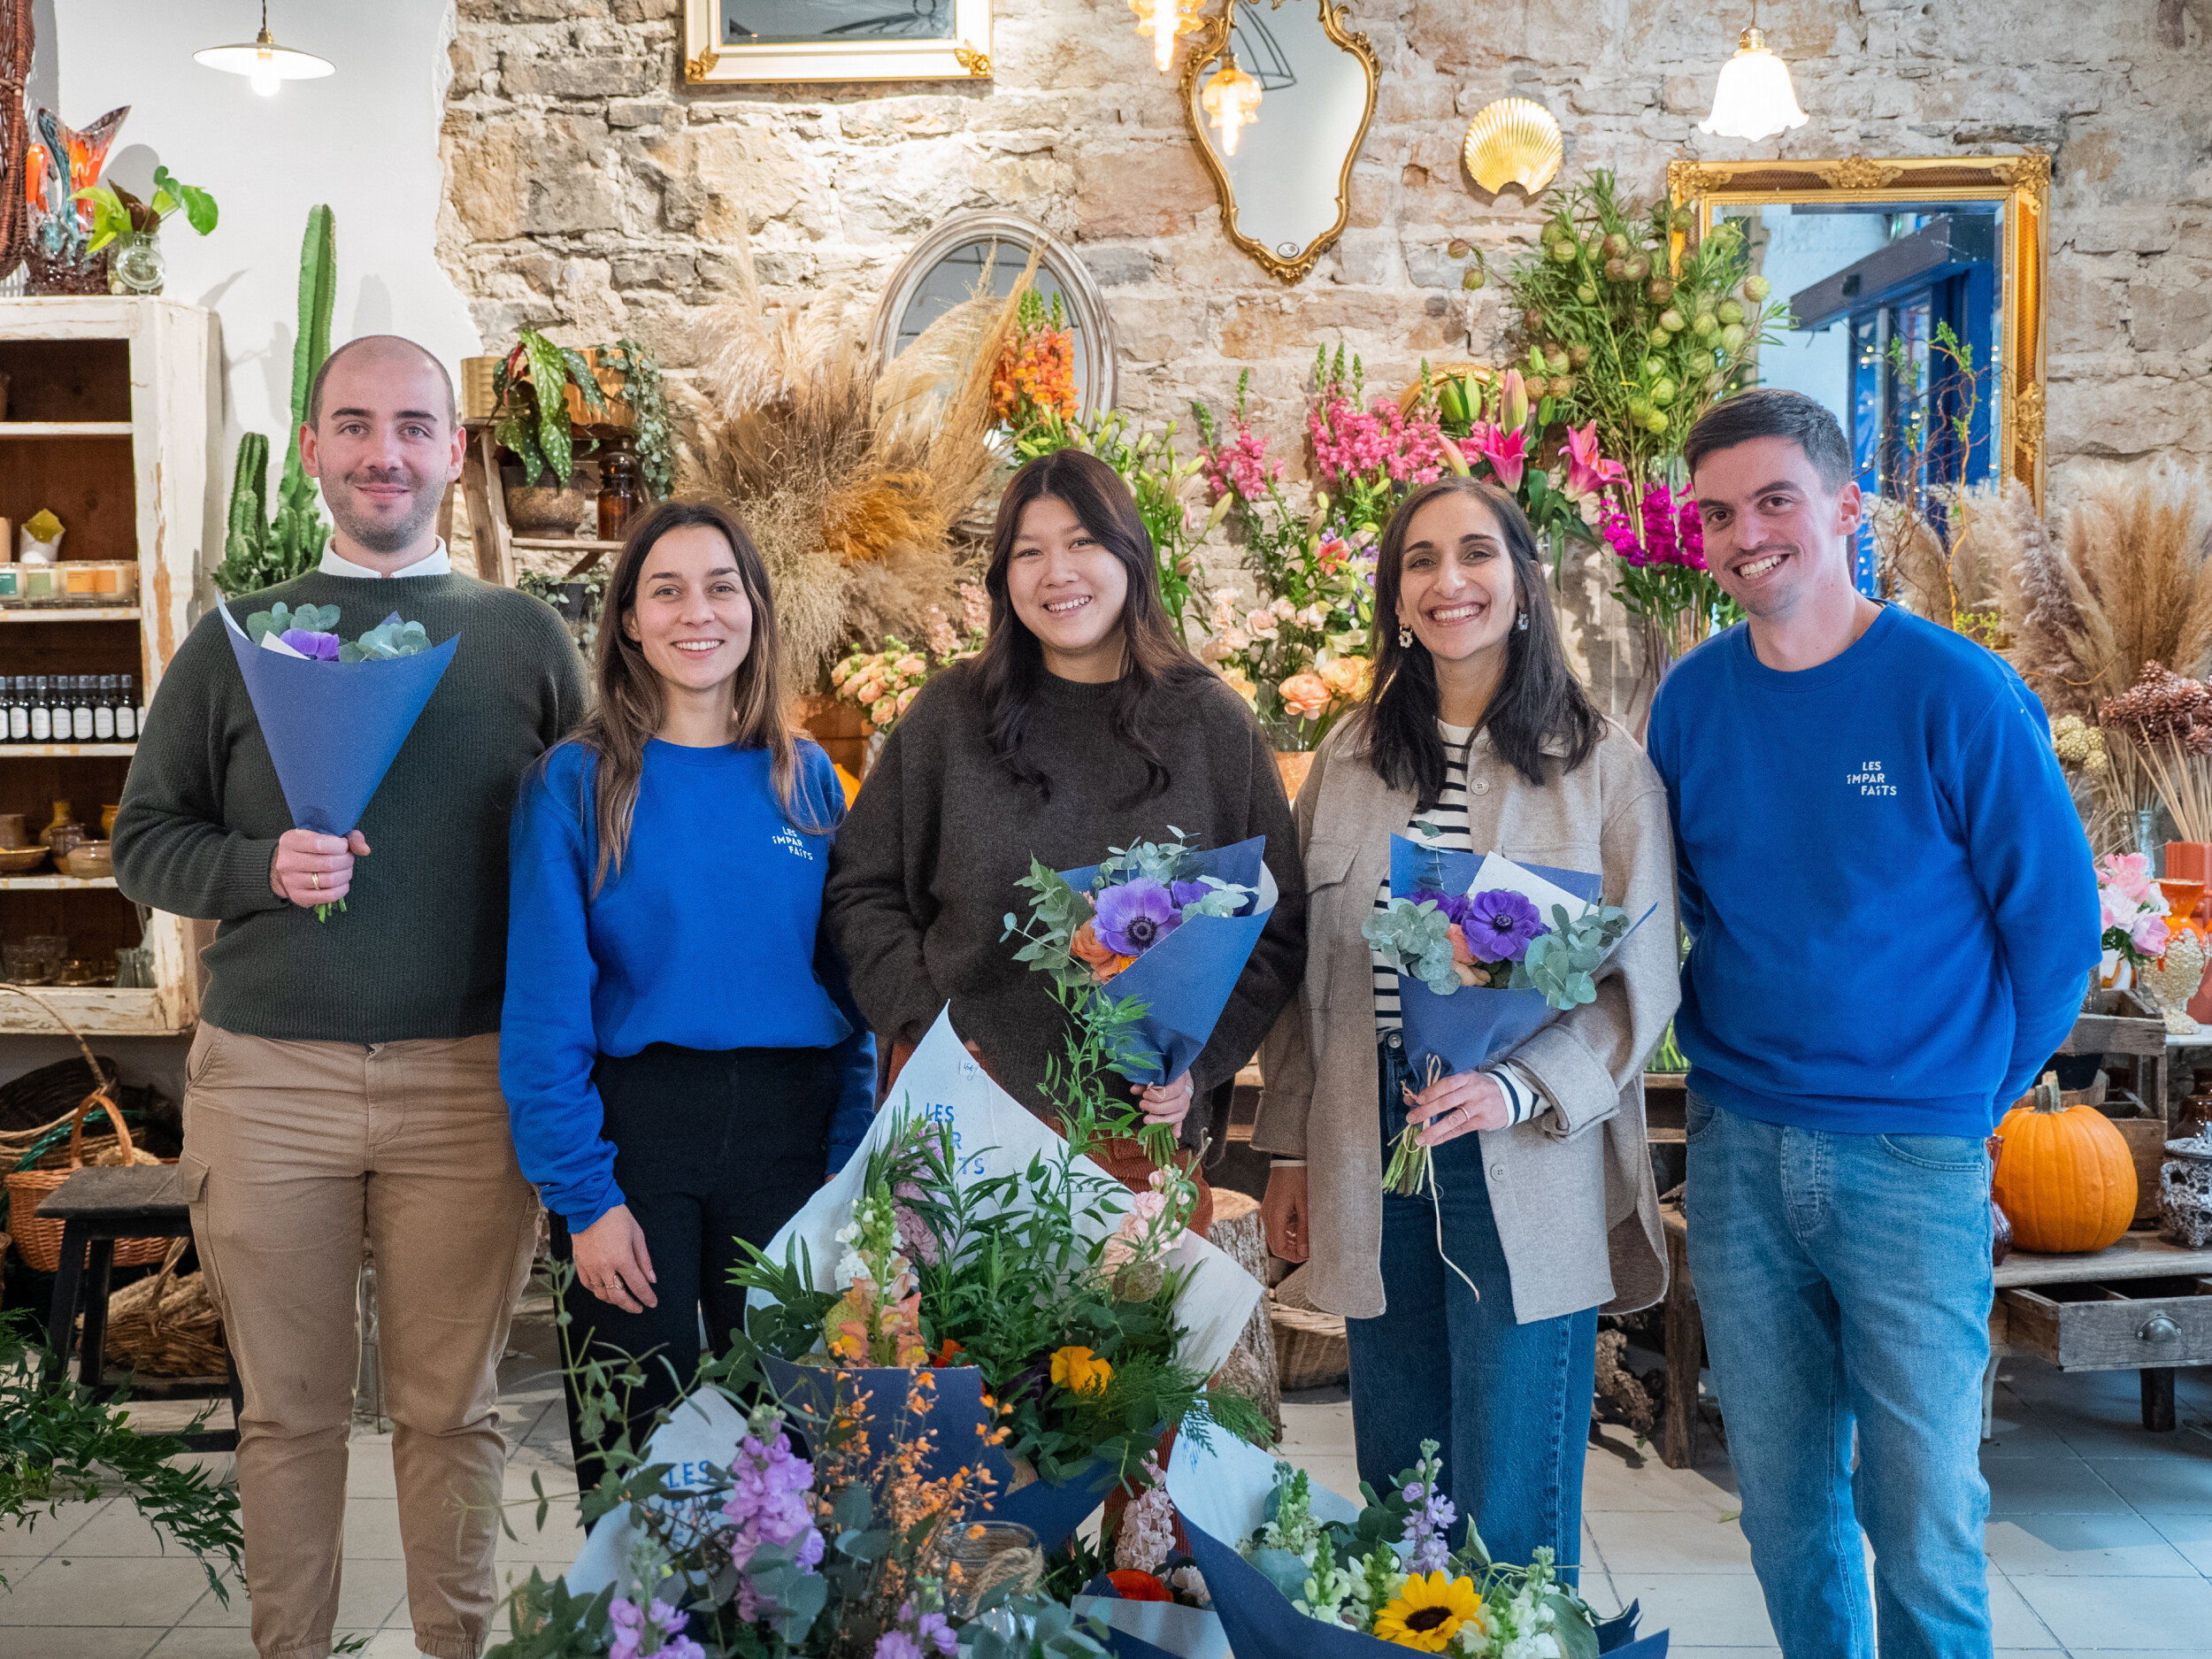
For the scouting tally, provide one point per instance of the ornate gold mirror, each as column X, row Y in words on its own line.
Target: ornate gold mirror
column 1279, row 95
column 1916, row 297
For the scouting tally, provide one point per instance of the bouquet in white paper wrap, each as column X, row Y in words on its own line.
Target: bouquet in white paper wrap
column 1069, row 1320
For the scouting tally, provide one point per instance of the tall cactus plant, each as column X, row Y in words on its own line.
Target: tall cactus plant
column 260, row 552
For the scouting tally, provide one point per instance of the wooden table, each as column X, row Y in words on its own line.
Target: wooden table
column 2086, row 1326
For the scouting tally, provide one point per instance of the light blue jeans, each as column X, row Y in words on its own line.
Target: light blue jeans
column 1844, row 1282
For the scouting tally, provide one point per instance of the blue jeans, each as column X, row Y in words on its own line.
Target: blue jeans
column 1509, row 1404
column 1844, row 1282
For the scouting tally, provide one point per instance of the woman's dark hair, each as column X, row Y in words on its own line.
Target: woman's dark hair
column 631, row 703
column 1012, row 666
column 1538, row 699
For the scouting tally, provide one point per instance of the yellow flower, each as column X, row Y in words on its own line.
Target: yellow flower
column 1428, row 1612
column 1080, row 1371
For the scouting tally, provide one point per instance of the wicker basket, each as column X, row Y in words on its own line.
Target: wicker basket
column 37, row 1239
column 1310, row 1351
column 165, row 1326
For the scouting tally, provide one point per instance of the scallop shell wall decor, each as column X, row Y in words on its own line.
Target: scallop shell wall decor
column 1513, row 140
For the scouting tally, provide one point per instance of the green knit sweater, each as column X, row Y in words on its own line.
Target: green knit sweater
column 420, row 951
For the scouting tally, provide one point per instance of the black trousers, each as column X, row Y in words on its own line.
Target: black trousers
column 710, row 1148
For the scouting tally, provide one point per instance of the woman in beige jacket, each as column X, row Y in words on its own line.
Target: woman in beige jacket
column 1544, row 1193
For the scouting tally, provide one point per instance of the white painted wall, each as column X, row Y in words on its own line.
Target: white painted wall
column 364, row 139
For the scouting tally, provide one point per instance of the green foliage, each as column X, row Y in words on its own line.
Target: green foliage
column 648, row 398
column 256, row 552
column 551, row 1624
column 386, row 642
column 1564, row 964
column 116, row 212
column 1412, row 937
column 532, row 418
column 281, row 618
column 58, row 1445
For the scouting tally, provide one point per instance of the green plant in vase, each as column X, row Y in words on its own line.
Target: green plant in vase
column 134, row 226
column 533, row 423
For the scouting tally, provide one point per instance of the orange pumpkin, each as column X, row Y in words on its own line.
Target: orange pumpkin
column 2065, row 1178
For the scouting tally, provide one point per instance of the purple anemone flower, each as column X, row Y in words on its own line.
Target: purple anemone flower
column 323, row 647
column 1499, row 924
column 1457, row 907
column 1136, row 916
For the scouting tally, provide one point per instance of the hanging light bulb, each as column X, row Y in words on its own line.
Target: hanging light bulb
column 1164, row 20
column 1231, row 101
column 265, row 65
column 1755, row 99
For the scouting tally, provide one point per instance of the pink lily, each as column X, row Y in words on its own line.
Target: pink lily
column 1513, row 403
column 1506, row 451
column 1588, row 473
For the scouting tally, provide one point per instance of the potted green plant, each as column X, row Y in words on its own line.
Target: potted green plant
column 136, row 264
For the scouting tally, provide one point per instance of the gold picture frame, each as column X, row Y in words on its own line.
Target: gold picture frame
column 2022, row 182
column 1206, row 47
column 962, row 53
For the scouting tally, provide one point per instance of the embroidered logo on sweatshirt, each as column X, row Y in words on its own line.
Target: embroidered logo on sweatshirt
column 1869, row 778
column 792, row 841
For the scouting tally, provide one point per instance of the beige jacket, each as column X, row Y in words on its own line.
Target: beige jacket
column 1576, row 1210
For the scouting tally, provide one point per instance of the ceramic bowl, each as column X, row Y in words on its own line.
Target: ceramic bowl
column 20, row 861
column 92, row 860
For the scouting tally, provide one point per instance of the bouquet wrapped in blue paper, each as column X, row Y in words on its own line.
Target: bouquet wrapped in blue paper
column 333, row 713
column 1487, row 952
column 1168, row 927
column 1293, row 1570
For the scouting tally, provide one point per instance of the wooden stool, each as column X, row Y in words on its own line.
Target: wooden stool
column 98, row 1206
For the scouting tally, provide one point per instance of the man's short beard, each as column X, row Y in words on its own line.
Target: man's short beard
column 396, row 538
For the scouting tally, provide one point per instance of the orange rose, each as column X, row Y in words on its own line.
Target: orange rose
column 1305, row 695
column 1088, row 949
column 1463, row 958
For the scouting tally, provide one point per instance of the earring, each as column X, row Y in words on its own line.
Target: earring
column 1523, row 624
column 1405, row 637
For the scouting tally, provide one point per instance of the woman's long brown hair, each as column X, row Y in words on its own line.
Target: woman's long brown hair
column 1012, row 666
column 631, row 703
column 1538, row 700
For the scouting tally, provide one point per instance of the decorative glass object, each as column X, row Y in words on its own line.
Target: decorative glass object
column 991, row 1556
column 136, row 264
column 62, row 161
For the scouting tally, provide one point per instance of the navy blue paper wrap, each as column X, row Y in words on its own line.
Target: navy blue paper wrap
column 333, row 729
column 1185, row 980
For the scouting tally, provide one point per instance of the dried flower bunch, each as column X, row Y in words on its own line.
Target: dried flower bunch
column 849, row 473
column 2163, row 723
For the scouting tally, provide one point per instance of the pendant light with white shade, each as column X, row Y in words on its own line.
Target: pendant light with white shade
column 264, row 63
column 1755, row 99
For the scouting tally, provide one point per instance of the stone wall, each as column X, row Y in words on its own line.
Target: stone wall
column 590, row 191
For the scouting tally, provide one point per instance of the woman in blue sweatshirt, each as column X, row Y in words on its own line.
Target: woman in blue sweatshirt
column 680, row 1058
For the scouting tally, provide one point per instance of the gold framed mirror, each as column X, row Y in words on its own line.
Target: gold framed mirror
column 1284, row 172
column 1872, row 256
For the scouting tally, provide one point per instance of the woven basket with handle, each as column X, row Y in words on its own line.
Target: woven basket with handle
column 1311, row 1350
column 37, row 1239
column 165, row 1325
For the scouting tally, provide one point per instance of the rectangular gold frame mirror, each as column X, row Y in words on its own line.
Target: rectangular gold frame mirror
column 941, row 40
column 2018, row 188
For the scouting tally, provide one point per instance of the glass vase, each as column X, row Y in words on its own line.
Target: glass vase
column 136, row 264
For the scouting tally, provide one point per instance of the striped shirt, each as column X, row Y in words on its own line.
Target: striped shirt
column 1447, row 816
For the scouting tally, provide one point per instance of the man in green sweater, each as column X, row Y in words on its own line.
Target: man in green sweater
column 343, row 1088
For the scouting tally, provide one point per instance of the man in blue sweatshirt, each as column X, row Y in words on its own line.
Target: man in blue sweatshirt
column 1892, row 912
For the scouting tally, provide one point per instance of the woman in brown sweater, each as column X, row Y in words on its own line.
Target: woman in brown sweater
column 1085, row 724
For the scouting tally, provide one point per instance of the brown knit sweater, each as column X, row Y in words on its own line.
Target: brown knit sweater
column 925, row 867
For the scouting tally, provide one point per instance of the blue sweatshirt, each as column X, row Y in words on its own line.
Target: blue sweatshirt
column 1892, row 906
column 711, row 938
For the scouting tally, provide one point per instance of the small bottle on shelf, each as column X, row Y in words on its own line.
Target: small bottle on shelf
column 128, row 715
column 18, row 706
column 104, row 711
column 81, row 710
column 58, row 706
column 42, row 712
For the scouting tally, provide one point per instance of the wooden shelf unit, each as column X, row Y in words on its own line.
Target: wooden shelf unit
column 116, row 401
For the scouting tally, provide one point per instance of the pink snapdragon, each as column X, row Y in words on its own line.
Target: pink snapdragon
column 1673, row 531
column 1350, row 444
column 1240, row 468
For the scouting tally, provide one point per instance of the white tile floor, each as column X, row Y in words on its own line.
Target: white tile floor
column 2099, row 1537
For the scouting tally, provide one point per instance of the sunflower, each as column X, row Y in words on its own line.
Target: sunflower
column 1428, row 1612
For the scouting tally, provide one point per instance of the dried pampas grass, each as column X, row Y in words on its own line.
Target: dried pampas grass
column 850, row 473
column 2127, row 581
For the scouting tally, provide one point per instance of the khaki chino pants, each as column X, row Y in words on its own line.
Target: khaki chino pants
column 295, row 1153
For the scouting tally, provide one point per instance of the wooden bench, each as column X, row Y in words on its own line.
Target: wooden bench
column 98, row 1206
